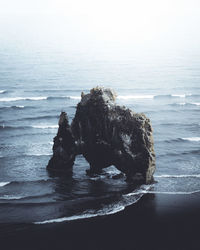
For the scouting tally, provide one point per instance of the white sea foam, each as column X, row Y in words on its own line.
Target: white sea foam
column 13, row 99
column 86, row 215
column 149, row 191
column 196, row 139
column 143, row 190
column 196, row 103
column 14, row 106
column 135, row 97
column 126, row 200
column 38, row 154
column 45, row 126
column 20, row 106
column 178, row 176
column 173, row 192
column 11, row 197
column 188, row 103
column 2, row 91
column 181, row 96
column 75, row 97
column 2, row 184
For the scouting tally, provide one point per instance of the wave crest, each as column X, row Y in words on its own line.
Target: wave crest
column 13, row 99
column 2, row 184
column 195, row 139
column 178, row 176
column 113, row 208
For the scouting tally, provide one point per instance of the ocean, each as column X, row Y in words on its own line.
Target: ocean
column 36, row 85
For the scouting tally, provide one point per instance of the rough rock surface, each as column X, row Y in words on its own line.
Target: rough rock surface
column 64, row 149
column 106, row 134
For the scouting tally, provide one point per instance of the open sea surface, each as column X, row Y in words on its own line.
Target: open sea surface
column 36, row 86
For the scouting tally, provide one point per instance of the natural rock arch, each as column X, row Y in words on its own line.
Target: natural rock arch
column 105, row 134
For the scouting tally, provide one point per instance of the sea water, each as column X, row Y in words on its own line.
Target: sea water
column 36, row 86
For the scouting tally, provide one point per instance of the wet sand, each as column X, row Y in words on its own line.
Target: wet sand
column 157, row 221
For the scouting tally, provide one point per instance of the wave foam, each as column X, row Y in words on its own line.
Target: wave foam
column 11, row 197
column 187, row 104
column 18, row 106
column 127, row 200
column 13, row 107
column 123, row 97
column 178, row 176
column 173, row 192
column 38, row 154
column 86, row 215
column 75, row 97
column 13, row 99
column 2, row 91
column 196, row 139
column 181, row 96
column 45, row 126
column 2, row 184
column 126, row 97
column 28, row 127
column 195, row 103
column 148, row 191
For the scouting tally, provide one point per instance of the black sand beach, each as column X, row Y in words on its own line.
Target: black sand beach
column 157, row 221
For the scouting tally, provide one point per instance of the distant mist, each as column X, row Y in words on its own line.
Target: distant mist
column 92, row 26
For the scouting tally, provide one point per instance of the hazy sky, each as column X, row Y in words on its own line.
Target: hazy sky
column 78, row 23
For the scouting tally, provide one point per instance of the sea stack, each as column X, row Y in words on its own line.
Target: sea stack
column 105, row 134
column 64, row 149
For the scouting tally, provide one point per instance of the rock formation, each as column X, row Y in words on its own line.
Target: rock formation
column 105, row 134
column 64, row 149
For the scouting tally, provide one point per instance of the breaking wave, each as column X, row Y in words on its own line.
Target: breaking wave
column 14, row 107
column 178, row 176
column 148, row 191
column 13, row 99
column 5, row 127
column 2, row 184
column 123, row 97
column 167, row 96
column 45, row 126
column 3, row 91
column 75, row 97
column 126, row 200
column 135, row 97
column 11, row 197
column 90, row 214
column 39, row 154
column 196, row 139
column 37, row 98
column 175, row 96
column 190, row 139
column 173, row 192
column 186, row 104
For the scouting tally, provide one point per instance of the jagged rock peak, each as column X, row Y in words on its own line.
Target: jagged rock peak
column 63, row 120
column 99, row 93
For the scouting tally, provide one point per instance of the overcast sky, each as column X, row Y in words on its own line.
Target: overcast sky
column 131, row 23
